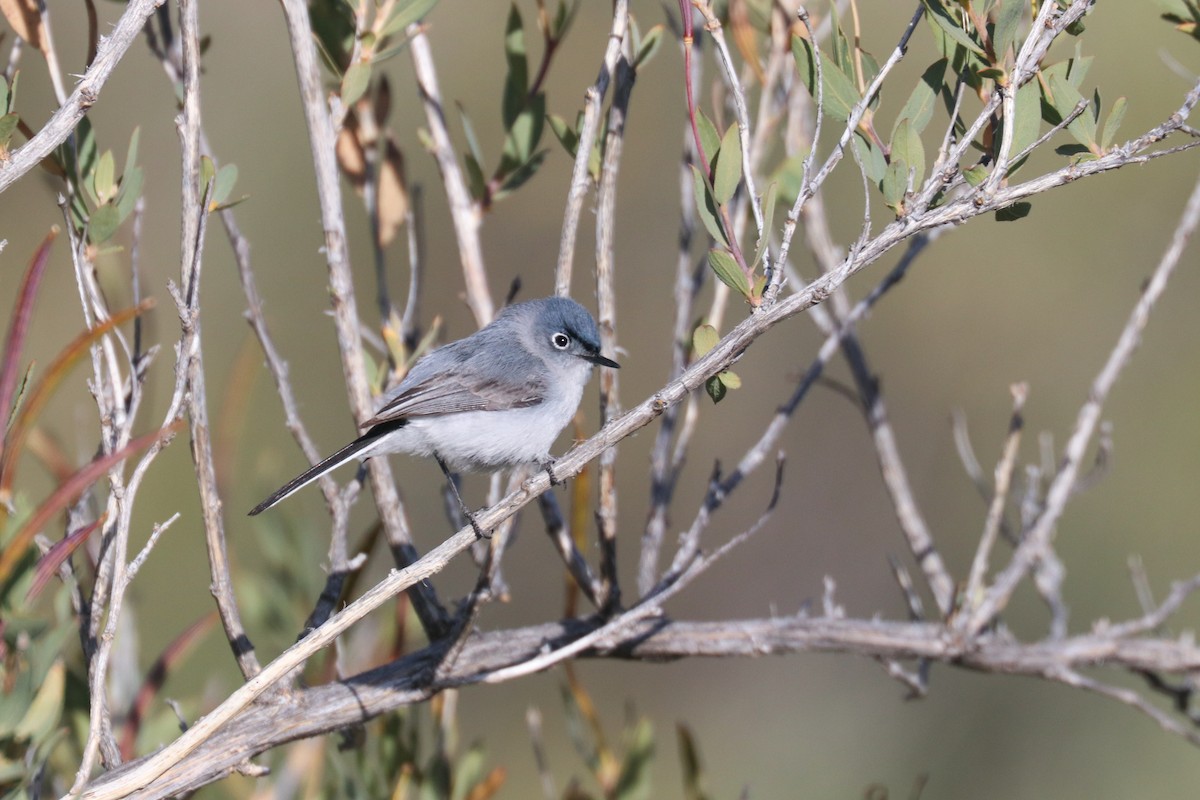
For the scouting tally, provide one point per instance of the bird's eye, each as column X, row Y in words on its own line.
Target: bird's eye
column 560, row 341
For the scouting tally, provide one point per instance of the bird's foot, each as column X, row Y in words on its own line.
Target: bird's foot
column 548, row 465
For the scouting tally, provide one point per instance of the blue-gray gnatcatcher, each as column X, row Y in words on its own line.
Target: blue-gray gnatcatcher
column 496, row 399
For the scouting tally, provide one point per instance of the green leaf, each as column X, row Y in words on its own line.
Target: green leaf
column 730, row 379
column 976, row 174
column 46, row 709
column 406, row 13
column 728, row 272
column 895, row 183
column 1064, row 97
column 208, row 171
column 4, row 95
column 475, row 176
column 649, row 46
column 131, row 189
column 1014, row 212
column 521, row 174
column 715, row 388
column 1115, row 117
column 919, row 108
column 729, row 166
column 516, row 85
column 354, row 82
column 710, row 140
column 131, row 152
column 103, row 223
column 706, row 207
column 103, row 182
column 469, row 133
column 873, row 162
column 565, row 133
column 525, row 134
column 839, row 95
column 768, row 212
column 839, row 46
column 226, row 178
column 906, row 145
column 950, row 25
column 1008, row 26
column 1028, row 123
column 704, row 338
column 994, row 73
column 8, row 125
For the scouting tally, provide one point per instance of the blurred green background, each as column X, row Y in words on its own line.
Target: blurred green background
column 1041, row 300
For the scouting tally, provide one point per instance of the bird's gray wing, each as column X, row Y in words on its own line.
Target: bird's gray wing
column 453, row 384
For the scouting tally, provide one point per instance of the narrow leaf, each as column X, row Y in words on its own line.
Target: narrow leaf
column 706, row 207
column 768, row 207
column 729, row 166
column 1008, row 26
column 406, row 13
column 1113, row 123
column 51, row 378
column 68, row 491
column 895, row 183
column 839, row 95
column 710, row 140
column 950, row 25
column 919, row 108
column 58, row 553
column 10, row 365
column 516, row 85
column 565, row 133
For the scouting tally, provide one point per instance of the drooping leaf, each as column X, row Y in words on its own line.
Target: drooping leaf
column 729, row 166
column 1014, row 212
column 716, row 390
column 727, row 271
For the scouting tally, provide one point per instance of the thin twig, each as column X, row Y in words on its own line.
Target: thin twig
column 588, row 130
column 1038, row 539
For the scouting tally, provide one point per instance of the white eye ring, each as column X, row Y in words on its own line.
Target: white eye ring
column 560, row 340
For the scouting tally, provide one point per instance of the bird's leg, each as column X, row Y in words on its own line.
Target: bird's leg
column 548, row 465
column 463, row 506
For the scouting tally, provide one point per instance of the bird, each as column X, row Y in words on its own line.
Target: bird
column 493, row 400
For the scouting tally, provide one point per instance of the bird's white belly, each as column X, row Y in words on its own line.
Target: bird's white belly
column 484, row 440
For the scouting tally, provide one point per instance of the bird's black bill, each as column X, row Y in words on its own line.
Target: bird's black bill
column 601, row 361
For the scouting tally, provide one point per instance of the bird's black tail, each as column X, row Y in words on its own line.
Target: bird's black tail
column 329, row 464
